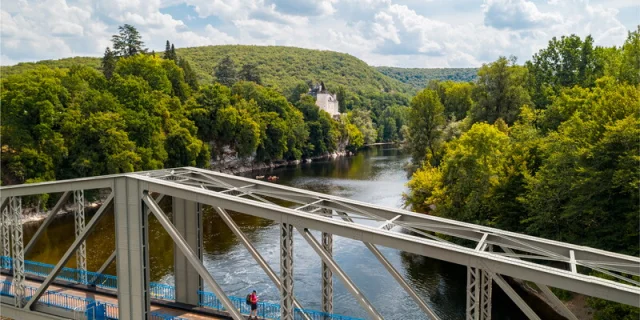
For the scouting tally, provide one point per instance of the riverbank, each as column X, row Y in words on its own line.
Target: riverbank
column 238, row 166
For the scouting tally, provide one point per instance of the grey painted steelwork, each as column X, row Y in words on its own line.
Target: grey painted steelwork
column 81, row 253
column 18, row 250
column 194, row 260
column 132, row 258
column 527, row 270
column 67, row 255
column 430, row 223
column 187, row 219
column 524, row 257
column 326, row 258
column 327, row 276
column 286, row 272
column 394, row 273
column 486, row 285
column 256, row 255
column 6, row 231
column 515, row 297
column 473, row 294
column 47, row 221
column 558, row 305
column 104, row 266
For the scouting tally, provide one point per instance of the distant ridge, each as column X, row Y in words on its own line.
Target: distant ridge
column 419, row 77
column 284, row 67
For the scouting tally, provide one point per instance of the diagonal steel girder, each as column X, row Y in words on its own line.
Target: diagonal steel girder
column 47, row 221
column 525, row 270
column 326, row 258
column 256, row 255
column 67, row 255
column 191, row 256
column 394, row 273
column 454, row 228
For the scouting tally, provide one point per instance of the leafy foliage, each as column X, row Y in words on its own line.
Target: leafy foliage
column 564, row 166
column 425, row 120
column 128, row 42
column 499, row 92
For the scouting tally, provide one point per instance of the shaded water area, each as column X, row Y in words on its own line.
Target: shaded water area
column 375, row 175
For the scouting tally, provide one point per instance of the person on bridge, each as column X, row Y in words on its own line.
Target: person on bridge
column 254, row 305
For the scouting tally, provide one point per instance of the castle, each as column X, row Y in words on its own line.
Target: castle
column 325, row 100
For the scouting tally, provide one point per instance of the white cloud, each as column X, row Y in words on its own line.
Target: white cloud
column 517, row 15
column 411, row 33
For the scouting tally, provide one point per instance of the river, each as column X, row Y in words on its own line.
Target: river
column 375, row 175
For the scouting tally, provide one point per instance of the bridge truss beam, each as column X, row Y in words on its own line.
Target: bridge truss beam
column 523, row 257
column 67, row 255
column 526, row 270
column 255, row 254
column 351, row 287
column 193, row 258
column 286, row 272
column 18, row 250
column 81, row 253
column 47, row 221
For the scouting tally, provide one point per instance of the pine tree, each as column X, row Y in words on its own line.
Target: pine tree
column 128, row 42
column 190, row 76
column 250, row 72
column 225, row 72
column 167, row 50
column 174, row 56
column 108, row 63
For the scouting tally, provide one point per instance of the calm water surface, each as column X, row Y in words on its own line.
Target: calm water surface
column 375, row 176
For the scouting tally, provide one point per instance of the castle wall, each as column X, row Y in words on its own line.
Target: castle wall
column 328, row 103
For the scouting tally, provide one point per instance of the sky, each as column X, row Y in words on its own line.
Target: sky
column 401, row 33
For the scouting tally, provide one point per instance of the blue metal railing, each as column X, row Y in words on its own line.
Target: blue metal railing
column 75, row 303
column 163, row 292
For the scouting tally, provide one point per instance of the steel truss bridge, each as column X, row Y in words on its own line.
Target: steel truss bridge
column 133, row 196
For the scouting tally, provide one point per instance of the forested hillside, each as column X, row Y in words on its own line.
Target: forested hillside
column 418, row 78
column 549, row 148
column 280, row 67
column 141, row 111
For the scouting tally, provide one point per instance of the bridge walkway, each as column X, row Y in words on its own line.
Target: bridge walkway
column 157, row 308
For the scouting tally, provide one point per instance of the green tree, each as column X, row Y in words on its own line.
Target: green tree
column 167, row 50
column 128, row 42
column 170, row 52
column 500, row 91
column 565, row 62
column 108, row 64
column 630, row 67
column 425, row 121
column 464, row 186
column 586, row 190
column 225, row 72
column 362, row 120
column 190, row 76
column 250, row 72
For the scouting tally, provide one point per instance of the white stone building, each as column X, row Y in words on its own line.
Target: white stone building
column 325, row 100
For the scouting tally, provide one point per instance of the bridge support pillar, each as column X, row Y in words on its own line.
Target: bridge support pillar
column 18, row 250
column 132, row 250
column 81, row 253
column 327, row 276
column 187, row 218
column 479, row 284
column 286, row 272
column 6, row 232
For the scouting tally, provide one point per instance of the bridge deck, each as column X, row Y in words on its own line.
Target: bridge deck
column 103, row 297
